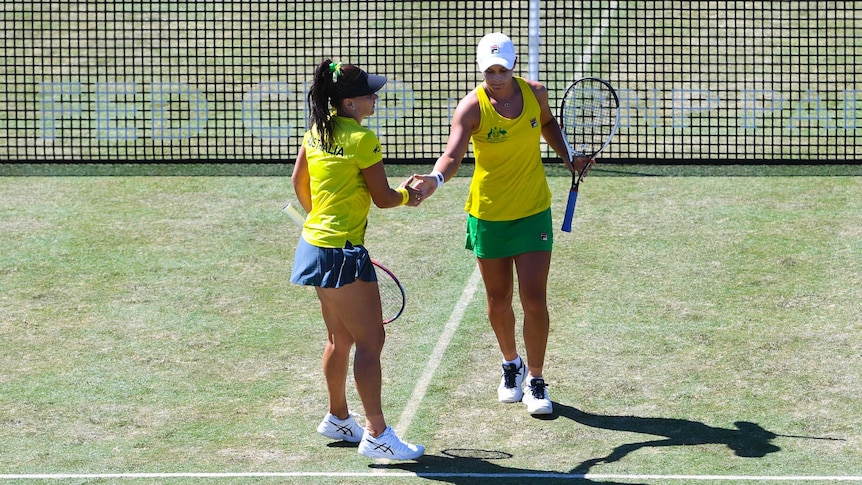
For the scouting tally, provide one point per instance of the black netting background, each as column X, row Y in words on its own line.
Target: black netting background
column 702, row 82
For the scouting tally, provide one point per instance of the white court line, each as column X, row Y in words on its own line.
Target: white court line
column 378, row 475
column 437, row 355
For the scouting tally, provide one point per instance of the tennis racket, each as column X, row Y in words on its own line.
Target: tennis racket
column 589, row 117
column 393, row 298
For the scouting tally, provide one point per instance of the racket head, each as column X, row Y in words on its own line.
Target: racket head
column 393, row 298
column 589, row 115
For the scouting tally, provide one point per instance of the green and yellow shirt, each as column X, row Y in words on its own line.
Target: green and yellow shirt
column 340, row 199
column 509, row 180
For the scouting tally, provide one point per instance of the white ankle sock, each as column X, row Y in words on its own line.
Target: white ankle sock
column 517, row 361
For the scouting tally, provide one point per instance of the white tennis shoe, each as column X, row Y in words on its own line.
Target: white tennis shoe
column 510, row 388
column 536, row 398
column 341, row 429
column 389, row 445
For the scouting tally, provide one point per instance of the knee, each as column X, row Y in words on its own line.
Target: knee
column 499, row 302
column 340, row 341
column 372, row 343
column 535, row 304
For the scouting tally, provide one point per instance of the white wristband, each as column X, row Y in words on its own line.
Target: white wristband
column 439, row 177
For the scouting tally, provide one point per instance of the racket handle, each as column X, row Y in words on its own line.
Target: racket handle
column 294, row 214
column 570, row 210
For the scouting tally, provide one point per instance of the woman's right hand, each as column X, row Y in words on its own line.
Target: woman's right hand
column 425, row 184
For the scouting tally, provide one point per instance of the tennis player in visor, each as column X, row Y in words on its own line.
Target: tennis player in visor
column 338, row 174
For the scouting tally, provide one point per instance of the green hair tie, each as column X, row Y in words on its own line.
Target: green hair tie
column 335, row 69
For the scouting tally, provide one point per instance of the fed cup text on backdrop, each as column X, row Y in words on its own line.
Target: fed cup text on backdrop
column 125, row 111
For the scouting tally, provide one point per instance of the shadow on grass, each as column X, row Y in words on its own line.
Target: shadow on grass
column 480, row 467
column 747, row 440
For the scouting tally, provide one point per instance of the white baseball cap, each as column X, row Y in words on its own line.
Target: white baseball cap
column 496, row 48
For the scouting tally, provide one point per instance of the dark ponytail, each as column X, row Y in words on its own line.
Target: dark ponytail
column 329, row 79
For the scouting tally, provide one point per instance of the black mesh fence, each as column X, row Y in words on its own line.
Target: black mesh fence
column 156, row 81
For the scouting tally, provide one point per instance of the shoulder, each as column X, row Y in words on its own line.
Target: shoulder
column 471, row 100
column 539, row 89
column 366, row 138
column 468, row 109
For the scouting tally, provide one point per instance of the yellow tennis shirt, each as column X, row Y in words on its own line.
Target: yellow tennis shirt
column 509, row 180
column 340, row 199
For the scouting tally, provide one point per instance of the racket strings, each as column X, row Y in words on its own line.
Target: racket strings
column 392, row 297
column 589, row 115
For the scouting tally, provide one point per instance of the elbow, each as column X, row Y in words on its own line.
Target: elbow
column 296, row 181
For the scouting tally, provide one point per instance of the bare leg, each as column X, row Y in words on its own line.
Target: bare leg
column 355, row 313
column 499, row 287
column 533, row 271
column 336, row 359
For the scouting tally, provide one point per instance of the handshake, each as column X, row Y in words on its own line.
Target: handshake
column 420, row 187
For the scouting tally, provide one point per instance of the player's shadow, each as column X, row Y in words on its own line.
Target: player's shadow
column 748, row 440
column 484, row 467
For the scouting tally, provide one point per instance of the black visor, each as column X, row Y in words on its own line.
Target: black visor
column 363, row 85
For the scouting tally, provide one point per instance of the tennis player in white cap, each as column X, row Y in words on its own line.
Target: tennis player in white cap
column 508, row 207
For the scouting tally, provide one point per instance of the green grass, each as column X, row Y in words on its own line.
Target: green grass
column 147, row 325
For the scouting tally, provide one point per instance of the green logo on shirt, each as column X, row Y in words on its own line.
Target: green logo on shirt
column 497, row 135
